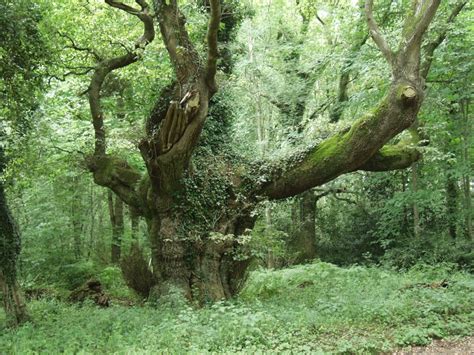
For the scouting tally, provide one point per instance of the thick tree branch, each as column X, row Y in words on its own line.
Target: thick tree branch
column 429, row 48
column 416, row 24
column 119, row 5
column 119, row 176
column 376, row 34
column 212, row 52
column 351, row 149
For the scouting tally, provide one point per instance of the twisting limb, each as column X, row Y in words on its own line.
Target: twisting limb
column 114, row 173
column 179, row 116
column 376, row 34
column 429, row 48
column 131, row 10
column 77, row 47
column 212, row 50
column 108, row 65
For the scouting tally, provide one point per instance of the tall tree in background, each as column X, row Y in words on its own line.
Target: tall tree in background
column 202, row 262
column 21, row 54
column 10, row 244
column 116, row 220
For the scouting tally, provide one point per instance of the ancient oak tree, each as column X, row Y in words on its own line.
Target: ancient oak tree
column 205, row 263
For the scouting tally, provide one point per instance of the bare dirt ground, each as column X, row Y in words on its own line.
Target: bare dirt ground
column 459, row 347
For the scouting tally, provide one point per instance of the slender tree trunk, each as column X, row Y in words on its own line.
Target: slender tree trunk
column 406, row 225
column 466, row 180
column 416, row 212
column 76, row 221
column 116, row 220
column 451, row 202
column 134, row 225
column 268, row 226
column 304, row 238
column 92, row 220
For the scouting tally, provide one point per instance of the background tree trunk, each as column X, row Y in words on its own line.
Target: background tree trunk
column 451, row 202
column 134, row 225
column 303, row 241
column 466, row 180
column 414, row 189
column 76, row 220
column 116, row 220
column 10, row 246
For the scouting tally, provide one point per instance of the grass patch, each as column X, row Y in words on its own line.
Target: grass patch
column 313, row 308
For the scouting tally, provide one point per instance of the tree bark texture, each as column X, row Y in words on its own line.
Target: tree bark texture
column 134, row 225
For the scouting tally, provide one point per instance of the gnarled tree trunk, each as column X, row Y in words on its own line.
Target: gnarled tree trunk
column 204, row 268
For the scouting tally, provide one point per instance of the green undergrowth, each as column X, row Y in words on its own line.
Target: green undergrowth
column 317, row 308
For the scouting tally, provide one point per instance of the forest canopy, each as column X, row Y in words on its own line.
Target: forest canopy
column 183, row 144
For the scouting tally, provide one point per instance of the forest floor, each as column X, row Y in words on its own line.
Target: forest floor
column 458, row 347
column 315, row 308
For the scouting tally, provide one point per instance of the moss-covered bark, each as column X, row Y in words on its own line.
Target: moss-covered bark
column 349, row 150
